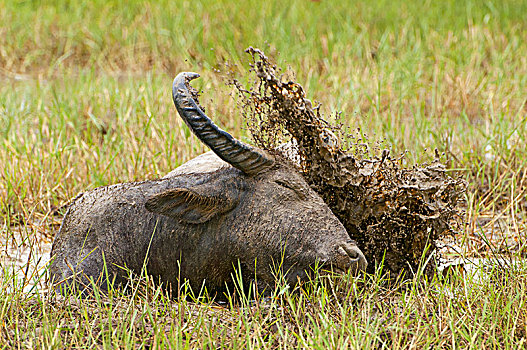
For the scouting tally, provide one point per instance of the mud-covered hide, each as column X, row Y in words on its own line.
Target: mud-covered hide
column 197, row 223
column 240, row 206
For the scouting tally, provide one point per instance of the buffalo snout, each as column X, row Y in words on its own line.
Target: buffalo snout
column 349, row 257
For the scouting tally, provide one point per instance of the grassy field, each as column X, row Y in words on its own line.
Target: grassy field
column 85, row 101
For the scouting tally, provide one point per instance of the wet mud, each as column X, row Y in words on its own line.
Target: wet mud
column 396, row 214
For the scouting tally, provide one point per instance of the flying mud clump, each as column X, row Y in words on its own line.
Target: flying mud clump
column 396, row 215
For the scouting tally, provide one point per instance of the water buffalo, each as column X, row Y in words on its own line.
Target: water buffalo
column 238, row 206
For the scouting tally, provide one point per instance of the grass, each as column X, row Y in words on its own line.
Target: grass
column 85, row 101
column 454, row 310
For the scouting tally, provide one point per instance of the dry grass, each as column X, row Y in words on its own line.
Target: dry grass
column 467, row 310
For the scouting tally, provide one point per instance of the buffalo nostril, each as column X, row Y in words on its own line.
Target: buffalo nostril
column 342, row 251
column 354, row 258
column 354, row 253
column 350, row 251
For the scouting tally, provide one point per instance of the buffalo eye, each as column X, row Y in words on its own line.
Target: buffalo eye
column 291, row 187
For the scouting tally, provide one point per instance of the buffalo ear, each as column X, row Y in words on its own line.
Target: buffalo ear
column 196, row 204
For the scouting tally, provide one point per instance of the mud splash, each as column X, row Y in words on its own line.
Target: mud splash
column 395, row 214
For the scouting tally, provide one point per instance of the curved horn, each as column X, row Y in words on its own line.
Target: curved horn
column 244, row 157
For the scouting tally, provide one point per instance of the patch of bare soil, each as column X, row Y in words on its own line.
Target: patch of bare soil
column 395, row 214
column 24, row 258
